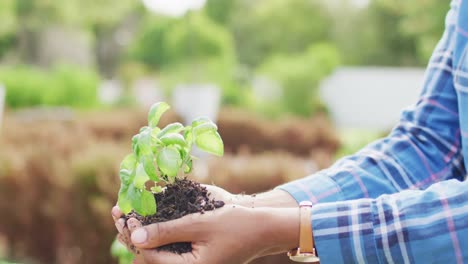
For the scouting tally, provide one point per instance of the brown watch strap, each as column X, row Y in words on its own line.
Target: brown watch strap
column 306, row 241
column 306, row 250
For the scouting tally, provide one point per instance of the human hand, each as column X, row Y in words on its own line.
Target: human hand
column 124, row 229
column 219, row 194
column 232, row 234
column 124, row 233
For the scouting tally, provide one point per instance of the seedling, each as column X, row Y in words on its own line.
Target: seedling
column 161, row 156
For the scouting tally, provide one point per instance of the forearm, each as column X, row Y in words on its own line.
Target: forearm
column 273, row 199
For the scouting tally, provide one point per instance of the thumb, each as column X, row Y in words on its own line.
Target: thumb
column 185, row 229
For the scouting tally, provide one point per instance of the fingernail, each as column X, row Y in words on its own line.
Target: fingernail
column 139, row 236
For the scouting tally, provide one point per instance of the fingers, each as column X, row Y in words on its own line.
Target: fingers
column 124, row 241
column 120, row 225
column 119, row 222
column 152, row 255
column 185, row 229
column 133, row 224
column 116, row 213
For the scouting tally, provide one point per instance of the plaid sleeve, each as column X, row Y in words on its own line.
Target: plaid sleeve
column 402, row 199
column 423, row 148
column 411, row 226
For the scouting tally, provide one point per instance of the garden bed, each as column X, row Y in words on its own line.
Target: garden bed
column 58, row 177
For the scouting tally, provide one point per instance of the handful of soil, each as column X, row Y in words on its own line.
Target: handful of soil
column 181, row 198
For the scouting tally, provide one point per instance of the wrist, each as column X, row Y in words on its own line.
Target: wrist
column 280, row 229
column 272, row 199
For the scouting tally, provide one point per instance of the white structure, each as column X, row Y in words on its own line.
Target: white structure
column 110, row 91
column 372, row 97
column 195, row 100
column 147, row 92
column 2, row 102
column 173, row 8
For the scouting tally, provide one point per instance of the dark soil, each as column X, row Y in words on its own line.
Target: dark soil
column 179, row 199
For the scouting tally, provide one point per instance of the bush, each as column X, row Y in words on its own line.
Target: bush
column 64, row 175
column 299, row 76
column 62, row 86
column 164, row 42
column 263, row 28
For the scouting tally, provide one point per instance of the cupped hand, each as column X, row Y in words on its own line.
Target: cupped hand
column 219, row 194
column 124, row 229
column 232, row 234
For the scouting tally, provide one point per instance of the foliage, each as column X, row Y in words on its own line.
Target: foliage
column 72, row 168
column 189, row 50
column 228, row 41
column 164, row 42
column 169, row 150
column 64, row 85
column 120, row 252
column 299, row 75
column 85, row 13
column 266, row 27
column 354, row 140
column 420, row 20
column 220, row 10
column 388, row 32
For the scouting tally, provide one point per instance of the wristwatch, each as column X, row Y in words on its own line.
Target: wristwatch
column 306, row 250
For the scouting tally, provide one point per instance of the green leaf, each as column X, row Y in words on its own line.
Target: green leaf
column 148, row 163
column 144, row 142
column 156, row 189
column 135, row 148
column 200, row 121
column 144, row 128
column 172, row 128
column 210, row 142
column 188, row 135
column 205, row 128
column 173, row 139
column 129, row 162
column 188, row 166
column 123, row 200
column 119, row 250
column 154, row 137
column 126, row 169
column 140, row 177
column 169, row 161
column 155, row 113
column 126, row 176
column 148, row 203
column 142, row 201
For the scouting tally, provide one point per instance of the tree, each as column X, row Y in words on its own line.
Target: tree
column 299, row 75
column 165, row 42
column 267, row 27
column 220, row 11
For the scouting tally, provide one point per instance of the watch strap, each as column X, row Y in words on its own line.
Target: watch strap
column 306, row 241
column 306, row 250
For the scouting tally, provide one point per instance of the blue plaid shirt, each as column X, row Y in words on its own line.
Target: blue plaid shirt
column 403, row 199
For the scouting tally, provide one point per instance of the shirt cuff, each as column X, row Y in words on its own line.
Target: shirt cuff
column 344, row 232
column 316, row 188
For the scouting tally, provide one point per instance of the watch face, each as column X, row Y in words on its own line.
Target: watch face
column 305, row 258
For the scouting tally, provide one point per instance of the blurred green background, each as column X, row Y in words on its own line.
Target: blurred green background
column 64, row 131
